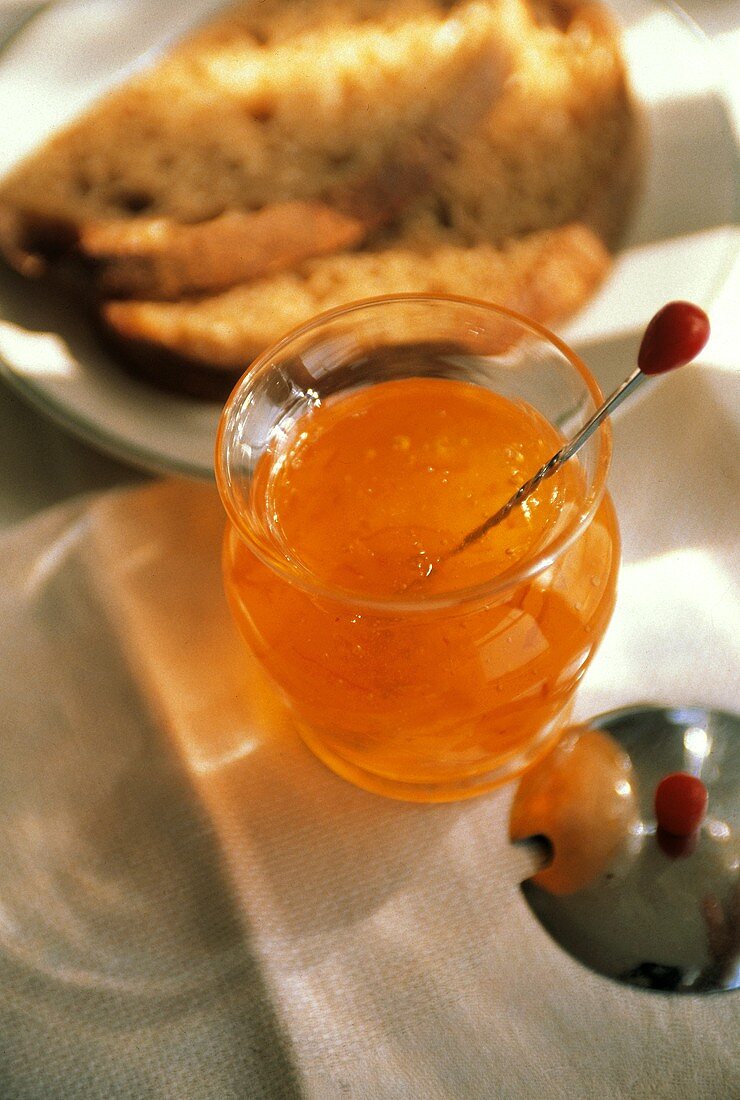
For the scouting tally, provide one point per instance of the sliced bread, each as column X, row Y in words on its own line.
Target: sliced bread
column 201, row 347
column 281, row 100
column 292, row 155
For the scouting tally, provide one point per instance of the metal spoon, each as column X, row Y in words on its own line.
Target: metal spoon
column 675, row 336
column 663, row 912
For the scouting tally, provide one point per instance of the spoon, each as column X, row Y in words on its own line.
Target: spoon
column 674, row 336
column 638, row 902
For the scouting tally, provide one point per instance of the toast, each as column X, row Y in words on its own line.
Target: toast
column 202, row 347
column 281, row 101
column 292, row 155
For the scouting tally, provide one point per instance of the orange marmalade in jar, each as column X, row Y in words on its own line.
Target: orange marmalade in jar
column 352, row 460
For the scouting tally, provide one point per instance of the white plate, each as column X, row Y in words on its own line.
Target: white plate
column 680, row 244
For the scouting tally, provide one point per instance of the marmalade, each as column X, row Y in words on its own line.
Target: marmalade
column 411, row 670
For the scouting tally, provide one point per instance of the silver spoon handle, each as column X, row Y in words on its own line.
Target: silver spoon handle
column 623, row 391
column 612, row 402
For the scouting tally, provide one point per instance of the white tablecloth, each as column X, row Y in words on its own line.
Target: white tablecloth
column 192, row 907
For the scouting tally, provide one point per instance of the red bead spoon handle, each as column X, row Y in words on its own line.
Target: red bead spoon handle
column 674, row 336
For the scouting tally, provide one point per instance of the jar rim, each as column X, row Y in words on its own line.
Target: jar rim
column 302, row 577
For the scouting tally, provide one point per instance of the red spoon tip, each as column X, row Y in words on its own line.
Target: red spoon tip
column 674, row 337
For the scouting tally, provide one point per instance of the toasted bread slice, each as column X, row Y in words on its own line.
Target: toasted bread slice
column 560, row 144
column 201, row 347
column 196, row 175
column 280, row 101
column 160, row 258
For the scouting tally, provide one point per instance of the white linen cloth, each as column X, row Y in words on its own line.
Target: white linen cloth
column 192, row 906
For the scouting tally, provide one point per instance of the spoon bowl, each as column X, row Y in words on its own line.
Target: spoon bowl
column 663, row 911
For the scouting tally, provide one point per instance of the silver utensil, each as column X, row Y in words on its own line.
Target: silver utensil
column 664, row 911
